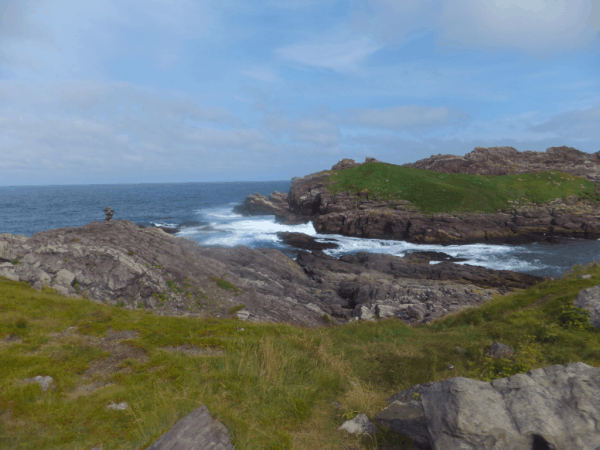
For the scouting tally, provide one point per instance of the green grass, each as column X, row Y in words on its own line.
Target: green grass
column 224, row 284
column 435, row 192
column 272, row 385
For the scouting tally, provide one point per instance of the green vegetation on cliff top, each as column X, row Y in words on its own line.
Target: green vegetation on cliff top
column 272, row 385
column 436, row 192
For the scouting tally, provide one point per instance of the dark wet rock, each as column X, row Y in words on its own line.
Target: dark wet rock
column 434, row 256
column 191, row 224
column 555, row 407
column 304, row 241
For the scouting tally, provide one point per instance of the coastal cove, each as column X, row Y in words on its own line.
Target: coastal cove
column 167, row 332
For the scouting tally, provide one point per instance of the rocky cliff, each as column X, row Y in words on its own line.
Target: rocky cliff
column 121, row 263
column 363, row 214
column 509, row 161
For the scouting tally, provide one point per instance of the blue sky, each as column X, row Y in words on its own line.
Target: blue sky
column 229, row 90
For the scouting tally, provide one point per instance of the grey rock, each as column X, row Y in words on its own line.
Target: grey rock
column 8, row 270
column 460, row 350
column 359, row 424
column 406, row 418
column 366, row 313
column 64, row 278
column 557, row 407
column 589, row 299
column 44, row 382
column 499, row 350
column 118, row 406
column 196, row 431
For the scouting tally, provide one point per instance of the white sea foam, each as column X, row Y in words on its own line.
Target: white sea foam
column 226, row 229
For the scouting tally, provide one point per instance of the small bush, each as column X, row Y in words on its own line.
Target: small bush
column 574, row 318
column 236, row 309
column 130, row 253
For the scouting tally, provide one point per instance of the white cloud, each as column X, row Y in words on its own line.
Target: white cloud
column 329, row 53
column 540, row 28
column 304, row 130
column 580, row 124
column 411, row 118
column 261, row 74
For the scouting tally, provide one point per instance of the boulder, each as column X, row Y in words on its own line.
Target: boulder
column 197, row 430
column 43, row 381
column 499, row 350
column 556, row 407
column 359, row 425
column 589, row 299
column 345, row 163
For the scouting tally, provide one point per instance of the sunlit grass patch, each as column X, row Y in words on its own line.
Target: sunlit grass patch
column 435, row 192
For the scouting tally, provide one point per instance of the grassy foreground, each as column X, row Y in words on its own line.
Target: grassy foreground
column 273, row 386
column 435, row 192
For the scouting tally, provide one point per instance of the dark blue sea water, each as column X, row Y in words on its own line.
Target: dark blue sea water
column 207, row 210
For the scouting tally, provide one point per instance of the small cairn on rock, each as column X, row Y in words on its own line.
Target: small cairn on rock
column 109, row 214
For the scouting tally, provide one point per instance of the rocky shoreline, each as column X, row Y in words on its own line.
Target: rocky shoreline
column 122, row 264
column 368, row 216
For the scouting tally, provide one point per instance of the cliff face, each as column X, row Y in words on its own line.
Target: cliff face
column 370, row 217
column 509, row 161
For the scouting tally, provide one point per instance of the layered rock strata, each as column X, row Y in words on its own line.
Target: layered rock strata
column 120, row 263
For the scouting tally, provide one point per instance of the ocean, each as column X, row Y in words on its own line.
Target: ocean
column 203, row 211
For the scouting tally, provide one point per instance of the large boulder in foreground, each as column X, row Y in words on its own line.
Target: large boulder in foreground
column 555, row 407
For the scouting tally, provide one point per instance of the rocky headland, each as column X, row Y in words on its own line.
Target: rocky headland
column 365, row 214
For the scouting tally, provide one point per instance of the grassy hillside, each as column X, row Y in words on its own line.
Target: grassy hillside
column 273, row 386
column 435, row 192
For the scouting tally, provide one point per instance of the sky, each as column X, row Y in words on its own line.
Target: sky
column 157, row 91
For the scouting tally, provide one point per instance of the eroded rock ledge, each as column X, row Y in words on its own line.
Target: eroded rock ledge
column 120, row 263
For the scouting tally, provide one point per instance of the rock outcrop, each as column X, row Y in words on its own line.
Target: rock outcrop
column 509, row 161
column 373, row 285
column 589, row 299
column 257, row 205
column 304, row 241
column 197, row 430
column 365, row 215
column 555, row 407
column 120, row 263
